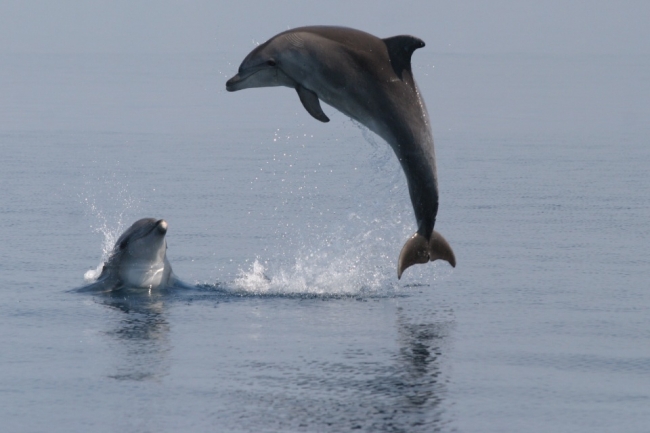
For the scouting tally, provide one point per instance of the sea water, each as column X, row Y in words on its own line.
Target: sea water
column 290, row 230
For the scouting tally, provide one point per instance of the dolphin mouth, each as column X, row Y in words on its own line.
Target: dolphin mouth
column 238, row 82
column 232, row 83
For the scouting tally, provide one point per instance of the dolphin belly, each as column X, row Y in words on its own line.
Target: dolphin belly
column 142, row 275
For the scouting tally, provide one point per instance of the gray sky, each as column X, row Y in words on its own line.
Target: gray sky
column 134, row 26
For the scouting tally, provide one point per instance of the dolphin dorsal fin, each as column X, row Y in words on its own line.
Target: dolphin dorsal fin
column 400, row 49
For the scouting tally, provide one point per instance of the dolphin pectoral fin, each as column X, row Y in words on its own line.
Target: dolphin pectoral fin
column 417, row 250
column 414, row 251
column 400, row 50
column 439, row 249
column 311, row 103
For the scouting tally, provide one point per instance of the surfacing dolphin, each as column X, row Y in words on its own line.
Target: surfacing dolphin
column 370, row 80
column 138, row 260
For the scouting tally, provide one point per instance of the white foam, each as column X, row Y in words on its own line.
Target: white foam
column 338, row 264
column 305, row 277
column 91, row 275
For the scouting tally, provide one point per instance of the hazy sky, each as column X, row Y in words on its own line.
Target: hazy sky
column 476, row 26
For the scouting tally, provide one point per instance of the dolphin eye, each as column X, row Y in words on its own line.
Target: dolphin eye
column 270, row 62
column 123, row 244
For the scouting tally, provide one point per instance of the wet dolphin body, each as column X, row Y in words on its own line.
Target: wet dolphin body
column 370, row 80
column 138, row 260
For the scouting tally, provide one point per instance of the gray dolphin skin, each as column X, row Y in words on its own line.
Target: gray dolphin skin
column 370, row 80
column 138, row 260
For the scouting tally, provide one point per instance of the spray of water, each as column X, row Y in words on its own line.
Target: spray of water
column 107, row 203
column 356, row 257
column 342, row 266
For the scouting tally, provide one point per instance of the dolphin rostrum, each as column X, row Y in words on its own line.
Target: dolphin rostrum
column 138, row 260
column 370, row 80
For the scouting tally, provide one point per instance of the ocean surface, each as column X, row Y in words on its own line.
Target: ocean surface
column 290, row 230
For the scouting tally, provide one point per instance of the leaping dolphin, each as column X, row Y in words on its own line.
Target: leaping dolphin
column 370, row 80
column 138, row 260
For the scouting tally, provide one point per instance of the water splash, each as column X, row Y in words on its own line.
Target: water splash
column 352, row 259
column 307, row 277
column 363, row 265
column 91, row 275
column 108, row 213
column 319, row 255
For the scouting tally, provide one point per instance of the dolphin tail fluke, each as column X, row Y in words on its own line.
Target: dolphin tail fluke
column 439, row 249
column 417, row 250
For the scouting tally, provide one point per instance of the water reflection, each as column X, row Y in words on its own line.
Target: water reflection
column 417, row 384
column 407, row 394
column 142, row 334
column 361, row 384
